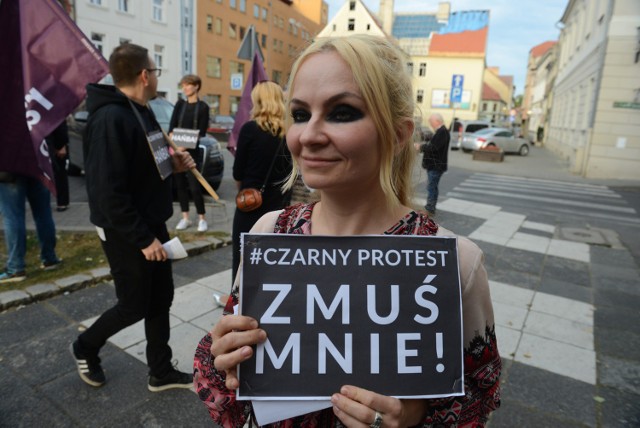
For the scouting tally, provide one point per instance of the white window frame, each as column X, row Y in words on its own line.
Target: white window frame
column 158, row 10
column 98, row 41
column 158, row 56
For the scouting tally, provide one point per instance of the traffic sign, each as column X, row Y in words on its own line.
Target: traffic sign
column 457, row 82
column 236, row 81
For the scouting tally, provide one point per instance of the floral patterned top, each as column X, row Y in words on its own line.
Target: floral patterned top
column 482, row 363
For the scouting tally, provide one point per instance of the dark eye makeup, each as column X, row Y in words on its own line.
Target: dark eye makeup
column 339, row 113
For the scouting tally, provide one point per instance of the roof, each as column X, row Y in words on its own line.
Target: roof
column 489, row 94
column 508, row 80
column 467, row 42
column 542, row 48
column 415, row 26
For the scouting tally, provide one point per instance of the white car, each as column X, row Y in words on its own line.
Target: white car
column 498, row 137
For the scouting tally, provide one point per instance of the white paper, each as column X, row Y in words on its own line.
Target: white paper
column 174, row 249
column 272, row 411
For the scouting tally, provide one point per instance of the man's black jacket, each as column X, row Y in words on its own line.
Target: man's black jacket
column 435, row 152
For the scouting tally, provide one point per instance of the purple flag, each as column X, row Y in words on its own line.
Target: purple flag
column 45, row 63
column 243, row 115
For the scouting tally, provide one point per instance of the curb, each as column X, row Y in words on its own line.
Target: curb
column 38, row 292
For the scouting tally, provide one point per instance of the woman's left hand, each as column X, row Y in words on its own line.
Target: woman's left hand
column 358, row 407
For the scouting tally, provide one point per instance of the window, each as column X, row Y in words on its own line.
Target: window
column 507, row 134
column 213, row 67
column 352, row 5
column 233, row 4
column 334, row 27
column 242, row 31
column 98, row 41
column 209, row 23
column 158, row 56
column 484, row 106
column 157, row 10
column 264, row 41
column 96, row 2
column 423, row 69
column 277, row 76
column 368, row 27
column 236, row 67
column 243, row 6
column 232, row 31
column 123, row 5
column 352, row 24
column 410, row 68
column 265, row 13
column 214, row 103
column 123, row 40
column 495, row 107
column 218, row 26
column 256, row 11
column 420, row 96
column 234, row 102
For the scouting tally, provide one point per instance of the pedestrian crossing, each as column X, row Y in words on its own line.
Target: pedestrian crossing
column 556, row 198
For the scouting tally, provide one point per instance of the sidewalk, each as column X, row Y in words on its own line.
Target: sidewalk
column 566, row 321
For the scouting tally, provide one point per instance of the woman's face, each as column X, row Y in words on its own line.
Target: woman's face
column 332, row 137
column 188, row 89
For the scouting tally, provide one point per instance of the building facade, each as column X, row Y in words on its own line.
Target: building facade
column 497, row 98
column 595, row 117
column 283, row 28
column 154, row 25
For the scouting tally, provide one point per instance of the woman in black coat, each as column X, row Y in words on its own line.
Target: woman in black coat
column 261, row 140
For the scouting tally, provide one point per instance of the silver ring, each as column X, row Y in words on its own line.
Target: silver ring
column 377, row 422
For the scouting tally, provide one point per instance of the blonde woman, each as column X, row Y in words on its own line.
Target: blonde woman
column 260, row 140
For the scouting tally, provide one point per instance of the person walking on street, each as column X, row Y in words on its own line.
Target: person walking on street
column 190, row 114
column 129, row 203
column 57, row 142
column 434, row 159
column 15, row 190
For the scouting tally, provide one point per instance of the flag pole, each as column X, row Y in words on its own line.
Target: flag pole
column 194, row 171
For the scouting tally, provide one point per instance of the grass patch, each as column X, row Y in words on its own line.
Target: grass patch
column 80, row 251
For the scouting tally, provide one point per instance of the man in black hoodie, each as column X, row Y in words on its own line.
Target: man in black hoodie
column 130, row 200
column 434, row 159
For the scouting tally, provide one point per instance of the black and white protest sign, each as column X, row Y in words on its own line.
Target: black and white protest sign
column 380, row 312
column 187, row 138
column 160, row 152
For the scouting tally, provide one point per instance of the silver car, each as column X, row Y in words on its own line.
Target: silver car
column 499, row 137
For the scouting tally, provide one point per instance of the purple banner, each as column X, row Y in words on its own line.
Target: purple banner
column 243, row 115
column 46, row 62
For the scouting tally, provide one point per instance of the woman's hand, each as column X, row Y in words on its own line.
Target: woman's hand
column 358, row 407
column 233, row 337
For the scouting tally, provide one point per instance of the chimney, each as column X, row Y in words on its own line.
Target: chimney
column 386, row 15
column 444, row 9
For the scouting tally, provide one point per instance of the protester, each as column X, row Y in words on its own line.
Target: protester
column 190, row 114
column 259, row 144
column 15, row 190
column 351, row 110
column 57, row 142
column 434, row 159
column 129, row 204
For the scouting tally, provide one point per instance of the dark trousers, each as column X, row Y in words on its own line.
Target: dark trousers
column 145, row 291
column 182, row 180
column 433, row 179
column 59, row 166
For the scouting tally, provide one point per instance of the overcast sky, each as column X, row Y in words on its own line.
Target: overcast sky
column 514, row 27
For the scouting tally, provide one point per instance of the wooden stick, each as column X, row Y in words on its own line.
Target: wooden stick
column 195, row 171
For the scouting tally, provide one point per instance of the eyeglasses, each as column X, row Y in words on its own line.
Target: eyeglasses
column 158, row 71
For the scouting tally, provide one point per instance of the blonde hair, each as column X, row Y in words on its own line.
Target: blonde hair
column 379, row 71
column 268, row 108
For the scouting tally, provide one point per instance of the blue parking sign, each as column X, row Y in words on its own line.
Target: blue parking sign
column 457, row 82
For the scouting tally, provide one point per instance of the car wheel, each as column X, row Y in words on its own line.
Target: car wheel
column 466, row 150
column 524, row 150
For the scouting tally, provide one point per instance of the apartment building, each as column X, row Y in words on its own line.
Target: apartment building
column 595, row 117
column 283, row 28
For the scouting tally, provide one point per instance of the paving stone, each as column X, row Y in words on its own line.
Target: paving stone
column 567, row 399
column 42, row 291
column 566, row 289
column 85, row 303
column 515, row 414
column 616, row 299
column 623, row 319
column 563, row 269
column 29, row 322
column 611, row 257
column 616, row 278
column 74, row 282
column 459, row 224
column 21, row 407
column 617, row 343
column 621, row 374
column 620, row 409
column 520, row 260
column 518, row 279
column 13, row 298
column 491, row 252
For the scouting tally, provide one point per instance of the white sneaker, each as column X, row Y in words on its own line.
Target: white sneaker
column 202, row 226
column 183, row 224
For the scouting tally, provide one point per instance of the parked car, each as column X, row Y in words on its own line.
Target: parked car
column 220, row 126
column 460, row 128
column 498, row 137
column 209, row 158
